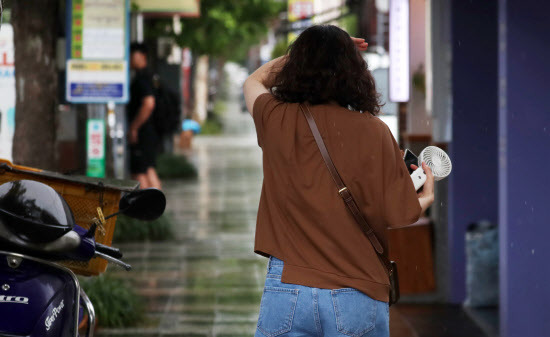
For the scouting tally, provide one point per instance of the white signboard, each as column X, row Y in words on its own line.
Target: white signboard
column 103, row 32
column 399, row 51
column 97, row 69
column 97, row 81
column 7, row 91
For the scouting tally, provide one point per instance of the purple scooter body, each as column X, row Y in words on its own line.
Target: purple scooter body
column 37, row 298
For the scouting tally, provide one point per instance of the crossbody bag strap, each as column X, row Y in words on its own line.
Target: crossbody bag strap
column 342, row 189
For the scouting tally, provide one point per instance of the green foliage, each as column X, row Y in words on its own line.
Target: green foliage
column 115, row 301
column 280, row 48
column 225, row 28
column 350, row 23
column 213, row 125
column 130, row 230
column 419, row 79
column 170, row 166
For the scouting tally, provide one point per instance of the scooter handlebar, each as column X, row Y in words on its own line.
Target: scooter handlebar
column 111, row 251
column 109, row 258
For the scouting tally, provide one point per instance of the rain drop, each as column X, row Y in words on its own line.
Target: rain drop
column 532, row 251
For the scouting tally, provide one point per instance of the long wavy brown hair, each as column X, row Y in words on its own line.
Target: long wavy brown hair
column 324, row 65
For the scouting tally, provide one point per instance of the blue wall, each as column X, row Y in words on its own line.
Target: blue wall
column 473, row 185
column 524, row 168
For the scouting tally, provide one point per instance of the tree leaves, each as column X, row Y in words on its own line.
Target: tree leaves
column 225, row 28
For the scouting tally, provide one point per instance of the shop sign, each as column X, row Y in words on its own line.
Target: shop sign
column 399, row 51
column 95, row 144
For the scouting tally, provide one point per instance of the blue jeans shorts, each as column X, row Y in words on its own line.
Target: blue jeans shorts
column 291, row 310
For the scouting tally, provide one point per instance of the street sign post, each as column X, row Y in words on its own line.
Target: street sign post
column 97, row 68
column 97, row 51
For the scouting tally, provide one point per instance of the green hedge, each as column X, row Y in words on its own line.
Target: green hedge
column 213, row 125
column 116, row 303
column 170, row 166
column 128, row 229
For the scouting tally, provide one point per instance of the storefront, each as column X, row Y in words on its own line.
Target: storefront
column 486, row 68
column 477, row 72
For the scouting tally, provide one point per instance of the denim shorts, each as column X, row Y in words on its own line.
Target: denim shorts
column 292, row 310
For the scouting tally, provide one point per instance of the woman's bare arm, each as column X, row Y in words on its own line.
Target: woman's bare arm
column 257, row 83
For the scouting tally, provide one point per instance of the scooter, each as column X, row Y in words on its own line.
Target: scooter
column 39, row 297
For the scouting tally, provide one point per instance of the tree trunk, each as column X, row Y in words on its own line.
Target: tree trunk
column 35, row 25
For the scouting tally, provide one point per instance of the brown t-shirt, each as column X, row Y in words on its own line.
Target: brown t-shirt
column 302, row 219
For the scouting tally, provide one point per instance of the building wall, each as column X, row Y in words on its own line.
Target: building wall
column 473, row 150
column 524, row 143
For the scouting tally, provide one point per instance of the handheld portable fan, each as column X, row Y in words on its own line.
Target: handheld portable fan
column 437, row 160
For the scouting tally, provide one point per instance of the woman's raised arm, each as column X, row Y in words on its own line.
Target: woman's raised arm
column 257, row 83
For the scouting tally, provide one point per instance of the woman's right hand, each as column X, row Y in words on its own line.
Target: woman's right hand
column 426, row 196
column 360, row 43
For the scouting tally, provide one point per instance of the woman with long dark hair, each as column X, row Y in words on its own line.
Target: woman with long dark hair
column 324, row 276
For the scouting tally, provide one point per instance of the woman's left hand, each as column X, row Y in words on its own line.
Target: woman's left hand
column 360, row 43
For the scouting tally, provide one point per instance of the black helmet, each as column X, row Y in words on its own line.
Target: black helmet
column 34, row 211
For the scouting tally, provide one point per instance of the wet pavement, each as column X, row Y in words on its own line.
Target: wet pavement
column 207, row 281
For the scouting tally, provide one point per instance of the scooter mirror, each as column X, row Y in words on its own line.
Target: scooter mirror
column 147, row 204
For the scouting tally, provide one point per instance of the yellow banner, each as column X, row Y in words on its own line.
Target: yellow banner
column 96, row 66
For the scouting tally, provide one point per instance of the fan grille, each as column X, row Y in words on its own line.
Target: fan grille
column 437, row 160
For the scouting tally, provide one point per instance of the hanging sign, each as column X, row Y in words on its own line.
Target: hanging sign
column 399, row 51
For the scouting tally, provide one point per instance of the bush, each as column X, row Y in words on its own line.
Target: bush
column 115, row 301
column 349, row 23
column 213, row 125
column 170, row 166
column 128, row 229
column 280, row 48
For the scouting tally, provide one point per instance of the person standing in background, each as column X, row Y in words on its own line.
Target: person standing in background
column 142, row 137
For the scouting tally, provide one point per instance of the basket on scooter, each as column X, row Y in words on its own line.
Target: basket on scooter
column 84, row 195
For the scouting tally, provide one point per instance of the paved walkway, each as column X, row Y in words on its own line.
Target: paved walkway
column 207, row 281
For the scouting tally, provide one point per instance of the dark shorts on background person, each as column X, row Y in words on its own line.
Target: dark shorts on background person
column 289, row 310
column 143, row 154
